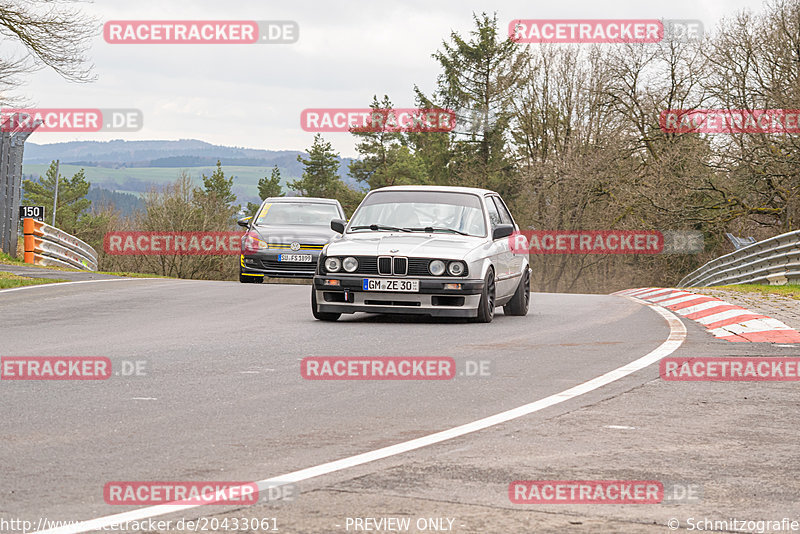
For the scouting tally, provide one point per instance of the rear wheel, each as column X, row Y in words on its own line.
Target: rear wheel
column 487, row 304
column 250, row 279
column 322, row 316
column 519, row 303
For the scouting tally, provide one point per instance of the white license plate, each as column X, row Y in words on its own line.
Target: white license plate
column 389, row 284
column 294, row 257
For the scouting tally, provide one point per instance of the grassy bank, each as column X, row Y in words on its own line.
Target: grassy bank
column 8, row 280
column 788, row 290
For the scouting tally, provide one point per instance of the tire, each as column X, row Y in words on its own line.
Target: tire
column 245, row 279
column 487, row 303
column 519, row 303
column 322, row 316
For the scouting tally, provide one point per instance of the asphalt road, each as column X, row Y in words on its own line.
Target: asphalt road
column 223, row 399
column 40, row 272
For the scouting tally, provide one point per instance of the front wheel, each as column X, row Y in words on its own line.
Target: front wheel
column 322, row 316
column 487, row 304
column 519, row 303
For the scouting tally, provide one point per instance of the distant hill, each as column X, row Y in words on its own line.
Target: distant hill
column 135, row 166
column 126, row 203
column 143, row 153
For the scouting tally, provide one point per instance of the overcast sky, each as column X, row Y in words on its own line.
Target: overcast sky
column 252, row 95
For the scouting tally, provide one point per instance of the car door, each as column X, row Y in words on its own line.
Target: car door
column 500, row 250
column 515, row 261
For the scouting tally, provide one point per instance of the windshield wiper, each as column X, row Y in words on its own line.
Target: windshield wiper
column 431, row 229
column 375, row 227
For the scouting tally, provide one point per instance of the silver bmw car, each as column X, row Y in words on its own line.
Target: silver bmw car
column 434, row 250
column 286, row 236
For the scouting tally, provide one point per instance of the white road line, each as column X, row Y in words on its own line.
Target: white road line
column 61, row 284
column 677, row 334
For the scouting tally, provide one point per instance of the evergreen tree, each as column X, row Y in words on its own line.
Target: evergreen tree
column 320, row 177
column 267, row 188
column 72, row 201
column 271, row 187
column 218, row 187
column 385, row 156
column 479, row 78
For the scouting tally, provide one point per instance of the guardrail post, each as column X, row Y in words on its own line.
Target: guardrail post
column 28, row 242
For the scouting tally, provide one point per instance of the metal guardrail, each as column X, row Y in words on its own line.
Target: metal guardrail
column 49, row 246
column 775, row 261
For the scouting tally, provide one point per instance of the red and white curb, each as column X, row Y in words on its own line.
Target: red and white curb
column 722, row 319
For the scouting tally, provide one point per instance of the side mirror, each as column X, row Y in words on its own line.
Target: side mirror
column 337, row 225
column 244, row 222
column 502, row 230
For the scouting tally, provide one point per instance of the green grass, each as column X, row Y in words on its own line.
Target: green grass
column 8, row 280
column 8, row 260
column 788, row 290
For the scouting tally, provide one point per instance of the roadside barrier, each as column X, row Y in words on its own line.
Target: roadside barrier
column 47, row 245
column 775, row 261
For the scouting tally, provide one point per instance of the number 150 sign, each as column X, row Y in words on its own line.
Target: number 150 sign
column 31, row 212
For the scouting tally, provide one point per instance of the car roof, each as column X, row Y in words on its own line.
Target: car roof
column 437, row 188
column 303, row 199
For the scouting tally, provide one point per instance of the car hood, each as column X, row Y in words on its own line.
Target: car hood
column 417, row 245
column 309, row 235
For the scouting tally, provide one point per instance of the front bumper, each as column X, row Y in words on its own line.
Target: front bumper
column 267, row 263
column 432, row 299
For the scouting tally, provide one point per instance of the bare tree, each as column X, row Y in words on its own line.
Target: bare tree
column 53, row 33
column 754, row 63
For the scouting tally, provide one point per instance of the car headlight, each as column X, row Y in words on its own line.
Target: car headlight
column 350, row 264
column 332, row 265
column 251, row 243
column 455, row 268
column 436, row 267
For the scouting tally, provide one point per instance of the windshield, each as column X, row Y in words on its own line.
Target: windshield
column 420, row 211
column 297, row 213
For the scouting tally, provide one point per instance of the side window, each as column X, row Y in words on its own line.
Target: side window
column 494, row 215
column 505, row 216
